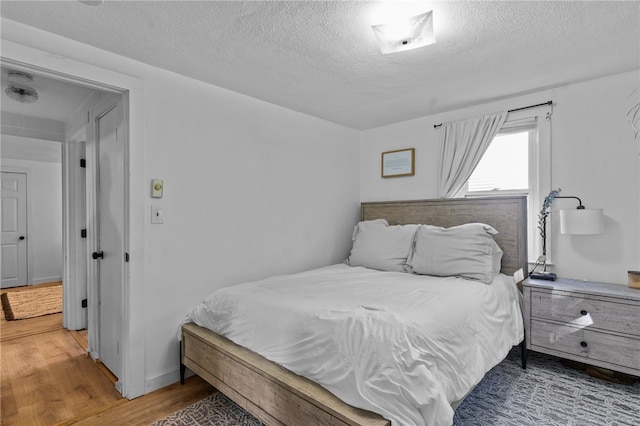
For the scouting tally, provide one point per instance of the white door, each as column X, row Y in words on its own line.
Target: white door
column 14, row 229
column 109, row 255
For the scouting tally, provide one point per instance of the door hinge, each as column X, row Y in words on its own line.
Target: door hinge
column 84, row 303
column 126, row 257
column 83, row 233
column 83, row 163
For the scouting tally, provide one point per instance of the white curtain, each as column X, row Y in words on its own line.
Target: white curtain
column 463, row 144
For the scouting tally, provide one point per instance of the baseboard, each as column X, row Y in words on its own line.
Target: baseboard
column 44, row 280
column 165, row 379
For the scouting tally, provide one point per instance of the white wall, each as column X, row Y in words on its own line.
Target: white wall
column 251, row 190
column 44, row 231
column 594, row 157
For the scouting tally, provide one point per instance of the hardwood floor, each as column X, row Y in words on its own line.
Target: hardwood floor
column 48, row 379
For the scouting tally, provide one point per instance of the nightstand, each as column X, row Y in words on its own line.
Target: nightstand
column 589, row 322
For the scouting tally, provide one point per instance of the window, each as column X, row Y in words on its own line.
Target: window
column 517, row 163
column 504, row 166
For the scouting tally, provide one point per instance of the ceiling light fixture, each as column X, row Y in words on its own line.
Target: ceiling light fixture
column 21, row 93
column 18, row 90
column 405, row 34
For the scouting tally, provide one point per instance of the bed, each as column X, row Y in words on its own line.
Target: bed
column 383, row 390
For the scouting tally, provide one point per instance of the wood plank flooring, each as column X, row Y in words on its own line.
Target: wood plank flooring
column 48, row 379
column 151, row 407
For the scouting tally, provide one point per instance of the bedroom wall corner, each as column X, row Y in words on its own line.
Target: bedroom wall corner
column 250, row 190
column 594, row 156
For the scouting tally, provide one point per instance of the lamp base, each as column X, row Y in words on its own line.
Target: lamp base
column 548, row 276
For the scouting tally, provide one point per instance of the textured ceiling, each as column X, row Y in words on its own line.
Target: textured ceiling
column 320, row 57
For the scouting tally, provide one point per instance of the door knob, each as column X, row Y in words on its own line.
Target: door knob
column 97, row 255
column 21, row 237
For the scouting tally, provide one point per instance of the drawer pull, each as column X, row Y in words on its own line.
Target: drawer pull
column 583, row 312
column 583, row 344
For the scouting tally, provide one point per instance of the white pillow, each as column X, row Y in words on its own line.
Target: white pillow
column 467, row 251
column 496, row 257
column 377, row 245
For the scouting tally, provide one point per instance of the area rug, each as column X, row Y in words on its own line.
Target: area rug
column 546, row 393
column 32, row 303
column 215, row 409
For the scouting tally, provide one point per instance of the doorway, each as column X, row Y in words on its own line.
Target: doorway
column 82, row 292
column 107, row 273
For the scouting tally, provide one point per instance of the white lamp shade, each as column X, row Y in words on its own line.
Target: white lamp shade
column 582, row 221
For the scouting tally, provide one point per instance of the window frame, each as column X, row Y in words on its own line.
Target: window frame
column 538, row 122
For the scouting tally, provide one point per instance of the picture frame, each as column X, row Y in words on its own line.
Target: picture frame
column 398, row 163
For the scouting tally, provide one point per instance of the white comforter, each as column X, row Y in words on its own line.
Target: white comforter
column 402, row 345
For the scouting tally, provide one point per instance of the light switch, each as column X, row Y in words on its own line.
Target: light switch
column 157, row 214
column 156, row 188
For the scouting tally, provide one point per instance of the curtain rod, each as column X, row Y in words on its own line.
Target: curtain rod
column 435, row 126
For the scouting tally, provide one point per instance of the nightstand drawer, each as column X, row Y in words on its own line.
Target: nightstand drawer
column 585, row 343
column 586, row 312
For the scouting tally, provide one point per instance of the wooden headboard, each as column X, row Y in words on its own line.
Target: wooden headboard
column 508, row 215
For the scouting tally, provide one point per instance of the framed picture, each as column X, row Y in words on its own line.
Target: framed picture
column 398, row 163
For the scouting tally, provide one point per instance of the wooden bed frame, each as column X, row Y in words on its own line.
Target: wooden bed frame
column 277, row 396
